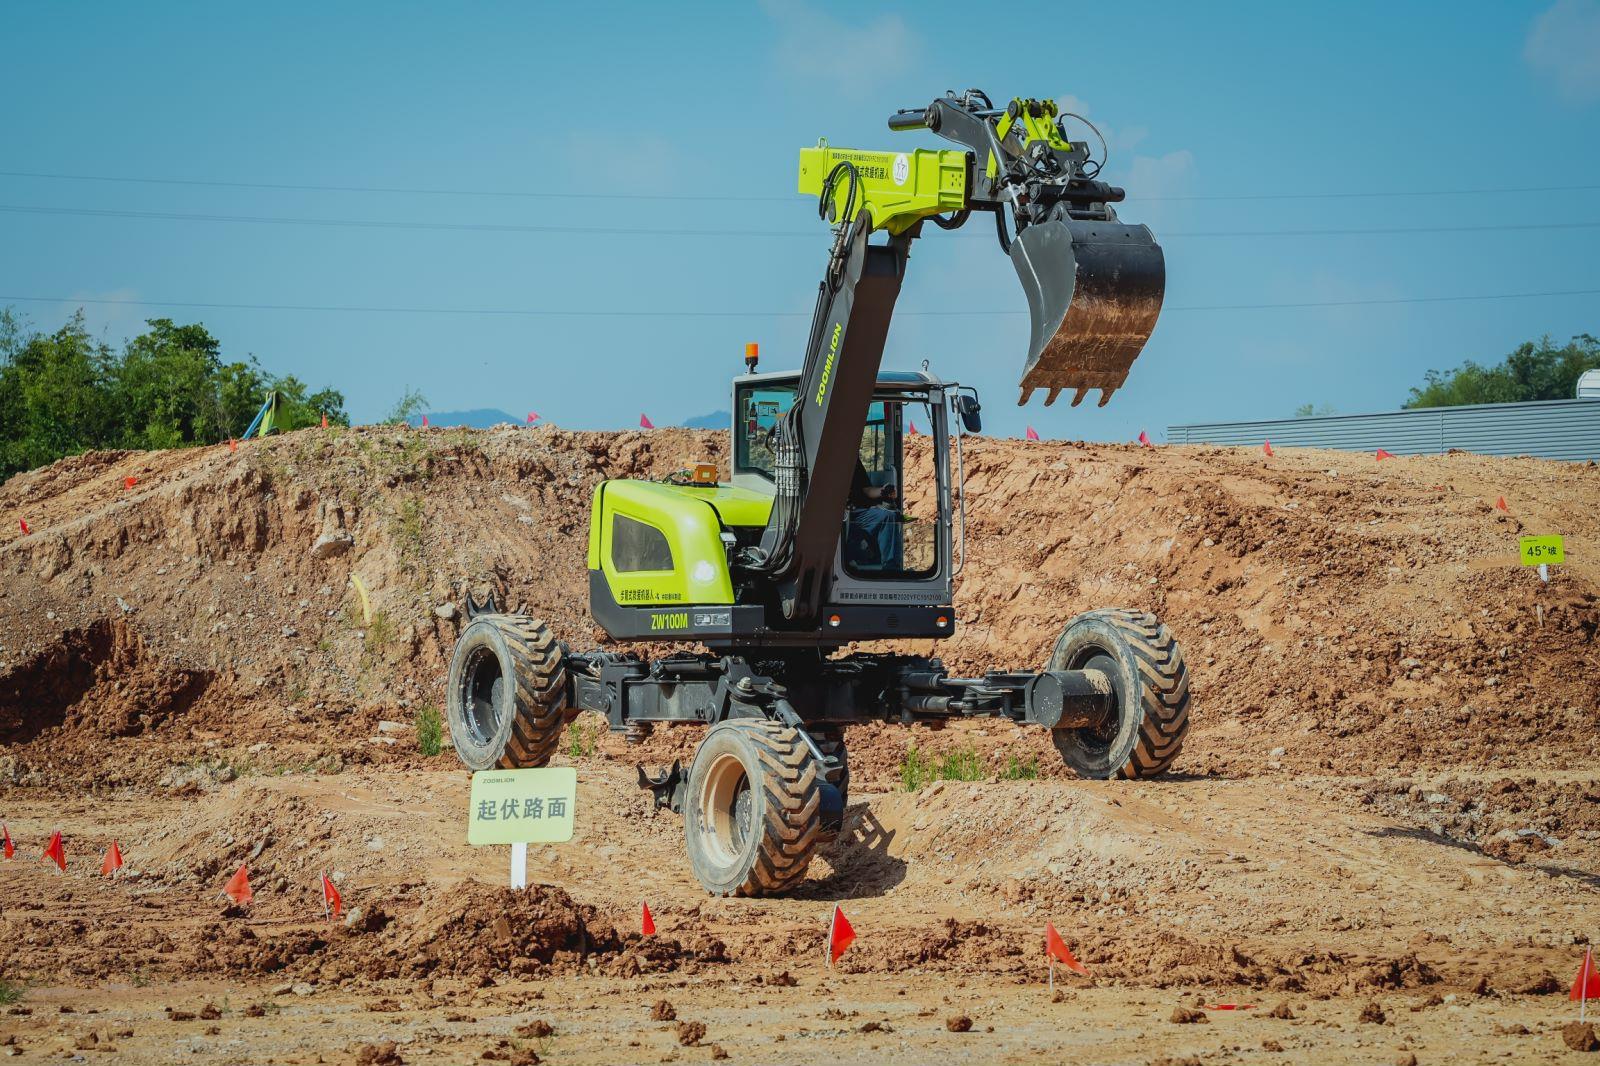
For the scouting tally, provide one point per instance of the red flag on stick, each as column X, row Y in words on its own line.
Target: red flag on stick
column 1382, row 455
column 55, row 852
column 332, row 902
column 233, row 445
column 841, row 934
column 914, row 432
column 1033, row 434
column 324, row 420
column 25, row 529
column 1266, row 446
column 1144, row 438
column 5, row 844
column 113, row 860
column 645, row 423
column 1500, row 504
column 533, row 416
column 424, row 421
column 1586, row 984
column 1058, row 951
column 647, row 924
column 238, row 887
column 129, row 482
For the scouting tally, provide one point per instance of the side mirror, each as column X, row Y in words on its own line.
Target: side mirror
column 968, row 407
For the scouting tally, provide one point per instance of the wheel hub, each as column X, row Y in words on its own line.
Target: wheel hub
column 726, row 808
column 482, row 686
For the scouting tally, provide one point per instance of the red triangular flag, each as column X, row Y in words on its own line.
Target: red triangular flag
column 1057, row 949
column 1266, row 446
column 1501, row 504
column 1587, row 984
column 113, row 860
column 1382, row 455
column 9, row 848
column 424, row 420
column 324, row 420
column 647, row 924
column 1144, row 438
column 331, row 898
column 1032, row 434
column 55, row 852
column 533, row 416
column 238, row 887
column 841, row 934
column 25, row 529
column 645, row 423
column 914, row 432
column 233, row 445
column 129, row 482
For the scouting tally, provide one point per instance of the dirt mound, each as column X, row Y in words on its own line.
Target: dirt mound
column 296, row 594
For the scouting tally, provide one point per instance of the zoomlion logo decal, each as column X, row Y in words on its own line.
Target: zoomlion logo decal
column 827, row 367
column 670, row 620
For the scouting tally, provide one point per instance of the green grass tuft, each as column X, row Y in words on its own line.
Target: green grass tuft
column 581, row 739
column 1017, row 770
column 918, row 769
column 430, row 730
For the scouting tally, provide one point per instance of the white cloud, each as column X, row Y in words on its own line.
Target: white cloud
column 1162, row 176
column 1564, row 45
column 851, row 58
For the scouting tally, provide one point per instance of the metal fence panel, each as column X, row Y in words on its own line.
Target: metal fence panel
column 1551, row 429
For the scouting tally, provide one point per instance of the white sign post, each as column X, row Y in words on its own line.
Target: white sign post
column 522, row 807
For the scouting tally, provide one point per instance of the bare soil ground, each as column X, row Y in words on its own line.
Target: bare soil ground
column 1383, row 835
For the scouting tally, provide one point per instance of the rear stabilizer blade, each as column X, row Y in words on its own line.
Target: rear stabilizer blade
column 1094, row 293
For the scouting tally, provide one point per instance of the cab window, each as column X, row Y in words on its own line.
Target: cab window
column 891, row 526
column 638, row 546
column 756, row 425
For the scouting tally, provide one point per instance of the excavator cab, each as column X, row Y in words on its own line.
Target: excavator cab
column 894, row 539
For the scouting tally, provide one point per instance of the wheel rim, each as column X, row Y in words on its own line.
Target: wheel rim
column 481, row 686
column 1097, row 740
column 725, row 809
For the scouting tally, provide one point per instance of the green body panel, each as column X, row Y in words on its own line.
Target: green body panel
column 691, row 518
column 898, row 189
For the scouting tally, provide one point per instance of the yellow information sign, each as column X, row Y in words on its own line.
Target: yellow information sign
column 1536, row 550
column 522, row 806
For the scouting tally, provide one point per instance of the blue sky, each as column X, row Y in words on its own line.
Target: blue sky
column 586, row 101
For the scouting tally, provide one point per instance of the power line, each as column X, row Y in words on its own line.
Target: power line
column 817, row 233
column 386, row 189
column 721, row 198
column 567, row 313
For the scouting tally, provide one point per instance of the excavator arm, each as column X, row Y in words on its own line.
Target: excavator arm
column 1093, row 287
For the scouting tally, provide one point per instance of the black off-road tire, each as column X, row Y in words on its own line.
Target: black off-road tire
column 752, row 809
column 506, row 699
column 1152, row 694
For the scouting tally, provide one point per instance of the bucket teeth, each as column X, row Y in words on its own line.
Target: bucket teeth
column 1094, row 293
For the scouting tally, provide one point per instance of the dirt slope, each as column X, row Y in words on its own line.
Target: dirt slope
column 1389, row 791
column 1357, row 615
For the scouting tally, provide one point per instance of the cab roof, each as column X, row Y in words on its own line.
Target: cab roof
column 886, row 378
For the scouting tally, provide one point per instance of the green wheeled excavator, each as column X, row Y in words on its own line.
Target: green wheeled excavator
column 837, row 525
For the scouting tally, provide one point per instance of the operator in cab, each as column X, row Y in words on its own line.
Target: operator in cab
column 873, row 534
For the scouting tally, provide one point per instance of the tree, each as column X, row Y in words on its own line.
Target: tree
column 409, row 405
column 1535, row 371
column 1306, row 410
column 64, row 392
column 54, row 397
column 166, row 386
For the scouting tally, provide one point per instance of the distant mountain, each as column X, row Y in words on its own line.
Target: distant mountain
column 714, row 420
column 482, row 418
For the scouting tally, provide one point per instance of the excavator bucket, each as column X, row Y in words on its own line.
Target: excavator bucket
column 1094, row 292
